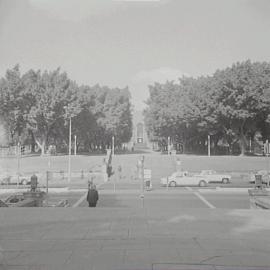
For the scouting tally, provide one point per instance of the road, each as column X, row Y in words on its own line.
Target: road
column 173, row 198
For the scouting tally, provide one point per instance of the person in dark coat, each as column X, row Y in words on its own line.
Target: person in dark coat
column 92, row 196
column 34, row 182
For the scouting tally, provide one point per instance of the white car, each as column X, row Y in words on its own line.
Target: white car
column 183, row 179
column 213, row 176
column 12, row 179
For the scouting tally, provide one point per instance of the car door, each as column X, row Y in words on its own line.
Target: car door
column 179, row 179
column 212, row 176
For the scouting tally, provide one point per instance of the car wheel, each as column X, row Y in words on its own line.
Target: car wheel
column 225, row 180
column 202, row 183
column 172, row 184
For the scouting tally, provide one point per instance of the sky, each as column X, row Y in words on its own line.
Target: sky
column 132, row 43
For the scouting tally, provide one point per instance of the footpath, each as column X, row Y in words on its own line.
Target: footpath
column 133, row 238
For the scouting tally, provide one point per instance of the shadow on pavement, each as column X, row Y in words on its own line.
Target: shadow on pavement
column 110, row 200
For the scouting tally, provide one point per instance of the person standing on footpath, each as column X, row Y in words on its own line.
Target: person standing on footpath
column 34, row 182
column 92, row 196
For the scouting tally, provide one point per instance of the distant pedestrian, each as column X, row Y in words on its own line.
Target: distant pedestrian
column 119, row 169
column 34, row 182
column 92, row 196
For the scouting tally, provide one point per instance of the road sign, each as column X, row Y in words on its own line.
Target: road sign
column 147, row 174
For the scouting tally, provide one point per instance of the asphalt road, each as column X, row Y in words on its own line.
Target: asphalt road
column 183, row 197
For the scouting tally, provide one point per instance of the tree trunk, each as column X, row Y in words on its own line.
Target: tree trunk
column 242, row 142
column 184, row 147
column 33, row 143
column 41, row 145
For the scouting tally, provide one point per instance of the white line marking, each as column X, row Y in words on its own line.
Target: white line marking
column 76, row 204
column 204, row 200
column 201, row 198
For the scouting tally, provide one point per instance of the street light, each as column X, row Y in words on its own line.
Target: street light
column 209, row 146
column 18, row 162
column 113, row 145
column 69, row 151
column 75, row 145
column 141, row 177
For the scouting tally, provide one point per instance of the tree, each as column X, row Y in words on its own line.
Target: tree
column 231, row 105
column 12, row 105
column 241, row 96
column 54, row 101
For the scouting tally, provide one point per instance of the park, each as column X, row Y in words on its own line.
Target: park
column 134, row 135
column 63, row 142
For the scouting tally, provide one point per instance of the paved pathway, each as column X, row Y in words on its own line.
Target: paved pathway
column 133, row 238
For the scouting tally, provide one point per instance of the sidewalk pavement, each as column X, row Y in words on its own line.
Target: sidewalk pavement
column 133, row 239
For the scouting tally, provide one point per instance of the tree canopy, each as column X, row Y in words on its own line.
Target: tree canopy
column 37, row 107
column 231, row 106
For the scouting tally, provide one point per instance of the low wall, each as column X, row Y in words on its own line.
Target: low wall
column 259, row 198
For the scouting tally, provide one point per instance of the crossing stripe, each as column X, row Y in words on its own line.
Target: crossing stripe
column 83, row 197
column 201, row 198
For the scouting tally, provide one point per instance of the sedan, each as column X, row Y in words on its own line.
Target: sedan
column 213, row 176
column 183, row 179
column 12, row 179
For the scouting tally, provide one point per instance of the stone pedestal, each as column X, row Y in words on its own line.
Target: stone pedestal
column 259, row 198
column 38, row 196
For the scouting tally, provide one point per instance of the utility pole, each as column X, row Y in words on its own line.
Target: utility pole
column 18, row 162
column 113, row 145
column 169, row 143
column 141, row 177
column 69, row 152
column 209, row 146
column 75, row 145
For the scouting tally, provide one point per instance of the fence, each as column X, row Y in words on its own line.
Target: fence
column 24, row 178
column 15, row 150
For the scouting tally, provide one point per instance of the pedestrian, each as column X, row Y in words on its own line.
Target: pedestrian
column 92, row 196
column 119, row 172
column 34, row 182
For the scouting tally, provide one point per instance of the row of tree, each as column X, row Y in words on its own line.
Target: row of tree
column 36, row 108
column 232, row 106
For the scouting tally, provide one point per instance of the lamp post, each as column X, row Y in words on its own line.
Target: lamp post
column 113, row 145
column 141, row 176
column 75, row 145
column 18, row 162
column 209, row 146
column 169, row 145
column 69, row 152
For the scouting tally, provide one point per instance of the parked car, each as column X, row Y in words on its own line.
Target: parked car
column 5, row 178
column 213, row 176
column 12, row 179
column 183, row 179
